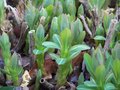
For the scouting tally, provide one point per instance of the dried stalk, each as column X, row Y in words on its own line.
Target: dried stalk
column 72, row 86
column 31, row 46
column 62, row 88
column 86, row 26
column 86, row 7
column 46, row 84
column 110, row 34
column 118, row 13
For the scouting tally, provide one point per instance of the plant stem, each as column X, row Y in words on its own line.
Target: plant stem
column 40, row 62
column 86, row 26
column 62, row 74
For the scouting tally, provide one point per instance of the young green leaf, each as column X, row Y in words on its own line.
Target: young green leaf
column 99, row 37
column 89, row 64
column 63, row 22
column 48, row 2
column 70, row 7
column 110, row 86
column 40, row 33
column 49, row 44
column 80, row 10
column 76, row 49
column 31, row 16
column 56, row 39
column 81, row 79
column 36, row 51
column 2, row 12
column 43, row 12
column 49, row 9
column 58, row 8
column 54, row 27
column 66, row 38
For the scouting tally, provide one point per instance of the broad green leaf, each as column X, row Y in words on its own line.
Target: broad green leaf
column 97, row 3
column 36, row 51
column 81, row 79
column 49, row 9
column 116, row 51
column 98, row 54
column 90, row 84
column 37, row 3
column 109, row 61
column 106, row 20
column 5, row 47
column 15, row 69
column 89, row 64
column 77, row 27
column 93, row 3
column 54, row 56
column 116, row 71
column 99, row 37
column 31, row 16
column 58, row 8
column 109, row 86
column 83, row 87
column 100, row 30
column 60, row 61
column 100, row 75
column 48, row 2
column 2, row 11
column 63, row 22
column 14, row 60
column 49, row 44
column 43, row 12
column 100, row 3
column 76, row 49
column 80, row 10
column 40, row 33
column 79, row 47
column 70, row 7
column 56, row 39
column 54, row 27
column 77, row 30
column 81, row 37
column 65, row 38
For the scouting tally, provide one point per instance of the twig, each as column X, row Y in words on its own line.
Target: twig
column 86, row 26
column 86, row 7
column 110, row 33
column 72, row 86
column 95, row 19
column 46, row 84
column 62, row 88
column 31, row 46
column 118, row 13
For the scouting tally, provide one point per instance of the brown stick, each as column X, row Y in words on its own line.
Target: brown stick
column 31, row 46
column 72, row 86
column 110, row 33
column 118, row 13
column 46, row 83
column 62, row 88
column 86, row 26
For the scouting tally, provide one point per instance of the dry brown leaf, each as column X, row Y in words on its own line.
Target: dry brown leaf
column 26, row 78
